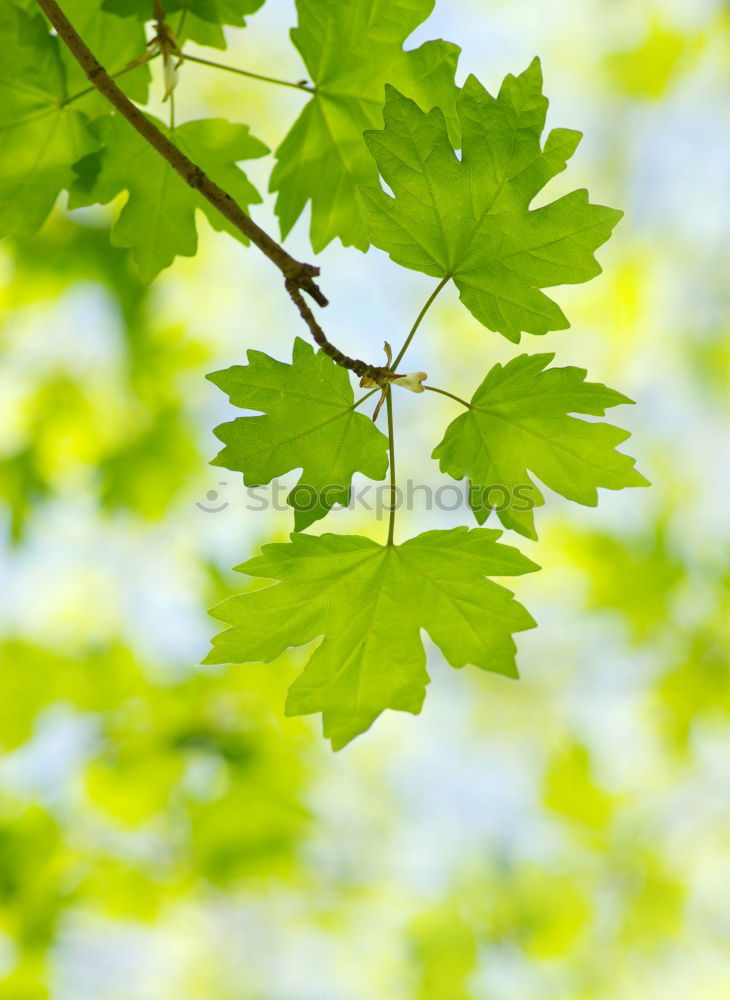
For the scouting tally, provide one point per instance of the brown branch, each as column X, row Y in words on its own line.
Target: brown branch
column 298, row 276
column 302, row 275
column 360, row 368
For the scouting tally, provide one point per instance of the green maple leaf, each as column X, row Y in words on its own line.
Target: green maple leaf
column 519, row 419
column 469, row 219
column 203, row 18
column 218, row 11
column 351, row 50
column 39, row 137
column 370, row 602
column 214, row 11
column 158, row 220
column 309, row 423
column 114, row 44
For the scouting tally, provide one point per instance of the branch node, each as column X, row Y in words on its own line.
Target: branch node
column 196, row 178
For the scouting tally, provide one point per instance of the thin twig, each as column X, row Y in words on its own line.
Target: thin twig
column 302, row 85
column 391, row 454
column 443, row 392
column 361, row 368
column 422, row 313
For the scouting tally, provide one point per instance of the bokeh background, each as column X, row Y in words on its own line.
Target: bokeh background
column 165, row 832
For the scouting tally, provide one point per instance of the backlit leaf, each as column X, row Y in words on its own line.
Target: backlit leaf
column 351, row 50
column 40, row 138
column 370, row 602
column 198, row 20
column 158, row 220
column 469, row 218
column 308, row 423
column 519, row 420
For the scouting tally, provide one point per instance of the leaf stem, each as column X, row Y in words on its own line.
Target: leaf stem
column 361, row 400
column 416, row 325
column 181, row 22
column 134, row 64
column 391, row 453
column 443, row 392
column 245, row 72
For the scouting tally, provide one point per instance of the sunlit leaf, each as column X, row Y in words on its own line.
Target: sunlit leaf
column 469, row 219
column 519, row 420
column 199, row 20
column 40, row 137
column 370, row 602
column 309, row 422
column 158, row 219
column 351, row 50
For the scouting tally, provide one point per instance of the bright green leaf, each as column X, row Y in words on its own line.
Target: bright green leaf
column 114, row 43
column 351, row 50
column 39, row 137
column 309, row 422
column 201, row 20
column 213, row 11
column 469, row 218
column 519, row 420
column 158, row 219
column 369, row 602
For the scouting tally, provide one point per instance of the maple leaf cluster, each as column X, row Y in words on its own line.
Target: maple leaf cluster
column 462, row 170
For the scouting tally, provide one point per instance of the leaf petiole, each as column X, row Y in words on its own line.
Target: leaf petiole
column 362, row 399
column 391, row 453
column 302, row 85
column 443, row 392
column 134, row 64
column 422, row 313
column 181, row 22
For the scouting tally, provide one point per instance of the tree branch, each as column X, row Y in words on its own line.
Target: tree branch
column 293, row 270
column 360, row 368
column 298, row 276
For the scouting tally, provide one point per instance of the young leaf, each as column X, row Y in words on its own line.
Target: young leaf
column 370, row 602
column 39, row 137
column 309, row 422
column 470, row 218
column 202, row 18
column 158, row 219
column 519, row 420
column 351, row 50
